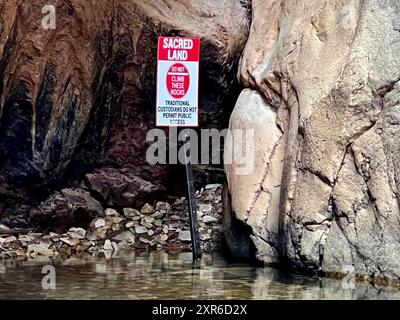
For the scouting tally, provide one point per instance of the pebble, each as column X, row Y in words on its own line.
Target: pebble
column 148, row 219
column 144, row 240
column 185, row 236
column 140, row 230
column 147, row 209
column 130, row 213
column 158, row 215
column 206, row 208
column 163, row 207
column 108, row 245
column 125, row 236
column 129, row 225
column 99, row 223
column 26, row 238
column 213, row 186
column 150, row 233
column 10, row 239
column 4, row 228
column 209, row 219
column 40, row 249
column 205, row 237
column 147, row 225
column 111, row 212
column 79, row 231
column 158, row 223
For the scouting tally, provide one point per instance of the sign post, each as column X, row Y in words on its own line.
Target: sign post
column 177, row 105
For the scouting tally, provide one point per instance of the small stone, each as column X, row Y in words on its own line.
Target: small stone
column 150, row 233
column 206, row 208
column 164, row 237
column 130, row 213
column 175, row 217
column 158, row 215
column 65, row 240
column 26, row 238
column 179, row 201
column 91, row 236
column 148, row 219
column 116, row 227
column 213, row 186
column 205, row 237
column 140, row 230
column 111, row 212
column 130, row 224
column 166, row 230
column 79, row 231
column 125, row 236
column 41, row 249
column 102, row 232
column 4, row 228
column 185, row 236
column 108, row 245
column 158, row 223
column 99, row 223
column 116, row 220
column 147, row 225
column 147, row 209
column 144, row 240
column 10, row 239
column 81, row 248
column 209, row 219
column 163, row 207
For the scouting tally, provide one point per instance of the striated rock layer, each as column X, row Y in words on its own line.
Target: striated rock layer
column 323, row 97
column 83, row 94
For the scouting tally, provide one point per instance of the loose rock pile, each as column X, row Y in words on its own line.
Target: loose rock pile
column 162, row 226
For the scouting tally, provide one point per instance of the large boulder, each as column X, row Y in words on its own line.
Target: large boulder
column 67, row 208
column 328, row 79
column 83, row 94
column 116, row 188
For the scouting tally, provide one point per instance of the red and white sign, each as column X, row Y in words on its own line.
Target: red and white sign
column 178, row 82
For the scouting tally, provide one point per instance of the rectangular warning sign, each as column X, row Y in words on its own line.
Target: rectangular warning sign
column 178, row 82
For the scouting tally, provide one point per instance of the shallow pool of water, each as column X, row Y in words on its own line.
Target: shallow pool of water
column 166, row 276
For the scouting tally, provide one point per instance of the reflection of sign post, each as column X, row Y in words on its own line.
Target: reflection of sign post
column 178, row 82
column 177, row 105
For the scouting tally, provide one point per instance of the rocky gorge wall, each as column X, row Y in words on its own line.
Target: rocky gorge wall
column 81, row 96
column 321, row 94
column 323, row 97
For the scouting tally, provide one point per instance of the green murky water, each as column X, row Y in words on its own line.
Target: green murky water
column 164, row 276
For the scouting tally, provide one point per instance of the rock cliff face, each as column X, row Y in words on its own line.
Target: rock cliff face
column 323, row 97
column 83, row 94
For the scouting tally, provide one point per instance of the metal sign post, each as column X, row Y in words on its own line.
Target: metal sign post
column 178, row 64
column 191, row 198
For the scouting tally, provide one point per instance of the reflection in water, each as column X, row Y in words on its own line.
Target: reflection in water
column 164, row 276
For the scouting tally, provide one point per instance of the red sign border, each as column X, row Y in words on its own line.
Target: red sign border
column 198, row 84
